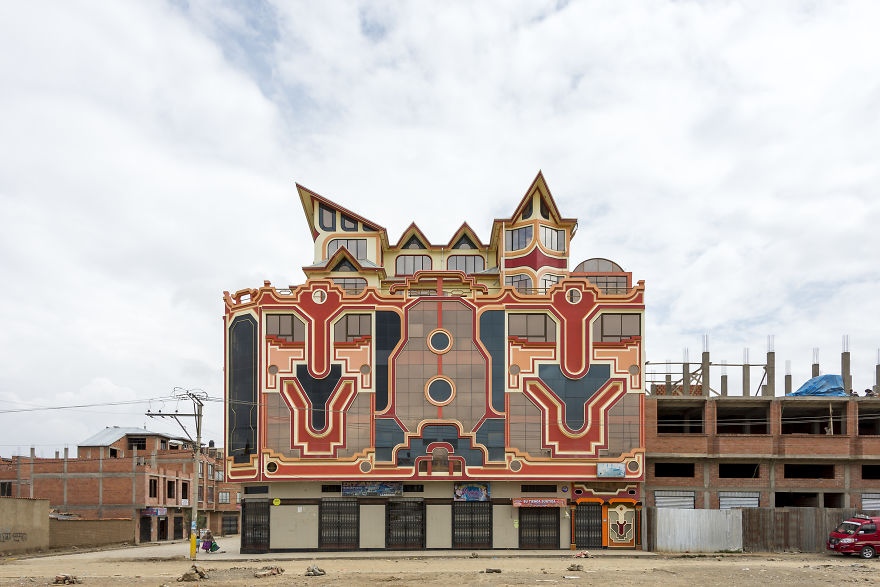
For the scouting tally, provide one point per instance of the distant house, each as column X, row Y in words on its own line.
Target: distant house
column 130, row 473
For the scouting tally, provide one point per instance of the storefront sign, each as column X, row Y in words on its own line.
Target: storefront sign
column 610, row 470
column 539, row 502
column 372, row 488
column 154, row 512
column 471, row 492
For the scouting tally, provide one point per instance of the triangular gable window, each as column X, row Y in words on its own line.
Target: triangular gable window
column 545, row 210
column 464, row 243
column 414, row 243
column 344, row 265
column 527, row 211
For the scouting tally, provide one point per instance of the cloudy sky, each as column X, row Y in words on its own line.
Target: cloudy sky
column 725, row 152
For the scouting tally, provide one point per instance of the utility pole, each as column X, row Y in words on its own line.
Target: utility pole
column 197, row 396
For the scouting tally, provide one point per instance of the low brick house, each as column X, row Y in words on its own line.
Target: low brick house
column 130, row 473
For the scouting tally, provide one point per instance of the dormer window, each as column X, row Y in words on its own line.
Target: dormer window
column 545, row 211
column 464, row 243
column 527, row 210
column 344, row 265
column 553, row 239
column 326, row 217
column 414, row 243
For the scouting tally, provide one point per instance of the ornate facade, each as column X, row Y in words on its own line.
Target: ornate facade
column 419, row 395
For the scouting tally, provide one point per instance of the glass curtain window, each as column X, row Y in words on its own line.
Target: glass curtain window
column 518, row 238
column 409, row 264
column 522, row 283
column 466, row 263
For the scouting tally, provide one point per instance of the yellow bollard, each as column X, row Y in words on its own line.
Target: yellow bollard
column 193, row 546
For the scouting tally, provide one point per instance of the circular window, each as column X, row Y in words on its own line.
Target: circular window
column 439, row 391
column 273, row 369
column 272, row 467
column 633, row 369
column 633, row 466
column 515, row 466
column 319, row 296
column 514, row 369
column 439, row 341
column 365, row 369
column 366, row 467
column 573, row 296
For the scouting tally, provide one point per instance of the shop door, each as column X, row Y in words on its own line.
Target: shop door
column 538, row 528
column 146, row 529
column 163, row 529
column 230, row 524
column 339, row 524
column 178, row 527
column 255, row 526
column 588, row 525
column 471, row 524
column 405, row 525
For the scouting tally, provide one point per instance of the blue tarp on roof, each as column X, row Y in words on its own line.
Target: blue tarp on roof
column 826, row 385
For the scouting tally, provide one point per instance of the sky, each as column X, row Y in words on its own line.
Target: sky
column 724, row 152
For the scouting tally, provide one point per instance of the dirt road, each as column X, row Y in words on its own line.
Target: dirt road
column 690, row 571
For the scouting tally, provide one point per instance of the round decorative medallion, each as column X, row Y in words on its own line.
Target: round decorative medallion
column 515, row 466
column 272, row 467
column 273, row 369
column 632, row 466
column 365, row 369
column 366, row 467
column 633, row 369
column 439, row 341
column 439, row 390
column 514, row 369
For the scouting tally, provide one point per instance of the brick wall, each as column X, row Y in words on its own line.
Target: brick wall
column 80, row 533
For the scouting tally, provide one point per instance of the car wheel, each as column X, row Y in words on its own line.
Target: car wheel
column 867, row 552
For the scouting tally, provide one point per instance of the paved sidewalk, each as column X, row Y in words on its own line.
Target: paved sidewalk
column 229, row 552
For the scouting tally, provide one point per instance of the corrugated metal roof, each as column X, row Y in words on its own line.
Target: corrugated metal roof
column 111, row 434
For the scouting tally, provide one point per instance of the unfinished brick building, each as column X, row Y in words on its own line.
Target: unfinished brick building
column 130, row 473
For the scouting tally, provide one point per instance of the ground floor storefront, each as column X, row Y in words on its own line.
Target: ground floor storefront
column 439, row 515
column 155, row 524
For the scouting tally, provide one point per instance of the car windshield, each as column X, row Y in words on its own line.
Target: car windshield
column 847, row 528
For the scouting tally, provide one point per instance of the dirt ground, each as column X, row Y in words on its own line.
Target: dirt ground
column 683, row 570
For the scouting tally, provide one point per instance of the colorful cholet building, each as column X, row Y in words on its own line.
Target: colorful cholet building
column 413, row 395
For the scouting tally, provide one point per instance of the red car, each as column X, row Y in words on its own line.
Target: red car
column 857, row 534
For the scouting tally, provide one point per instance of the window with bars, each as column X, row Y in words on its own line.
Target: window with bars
column 409, row 264
column 285, row 327
column 518, row 238
column 327, row 217
column 352, row 327
column 351, row 285
column 355, row 246
column 553, row 239
column 522, row 283
column 609, row 284
column 466, row 263
column 532, row 327
column 616, row 327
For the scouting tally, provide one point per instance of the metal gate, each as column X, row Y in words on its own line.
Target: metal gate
column 255, row 526
column 738, row 499
column 339, row 524
column 683, row 500
column 588, row 525
column 471, row 524
column 405, row 525
column 230, row 524
column 178, row 527
column 146, row 528
column 538, row 528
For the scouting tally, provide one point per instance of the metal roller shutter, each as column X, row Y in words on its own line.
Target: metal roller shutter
column 738, row 499
column 683, row 500
column 871, row 501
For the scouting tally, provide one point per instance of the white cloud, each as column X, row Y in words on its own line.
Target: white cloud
column 724, row 152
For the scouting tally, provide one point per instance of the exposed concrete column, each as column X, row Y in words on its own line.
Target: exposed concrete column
column 746, row 386
column 787, row 377
column 668, row 383
column 18, row 474
column 815, row 362
column 100, row 482
column 724, row 384
column 845, row 370
column 33, row 456
column 877, row 376
column 706, row 378
column 134, row 461
column 770, row 388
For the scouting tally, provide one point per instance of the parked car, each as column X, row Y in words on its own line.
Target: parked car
column 857, row 534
